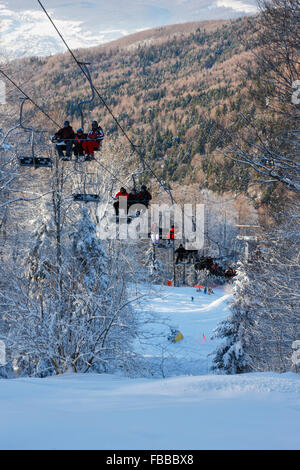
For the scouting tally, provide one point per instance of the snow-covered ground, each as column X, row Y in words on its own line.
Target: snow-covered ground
column 250, row 411
column 173, row 308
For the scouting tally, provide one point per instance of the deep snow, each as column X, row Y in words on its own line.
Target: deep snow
column 249, row 411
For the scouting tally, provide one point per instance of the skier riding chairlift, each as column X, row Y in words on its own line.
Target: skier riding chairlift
column 80, row 138
column 143, row 196
column 64, row 139
column 121, row 194
column 93, row 141
column 181, row 253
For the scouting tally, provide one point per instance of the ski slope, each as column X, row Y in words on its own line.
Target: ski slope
column 173, row 308
column 176, row 410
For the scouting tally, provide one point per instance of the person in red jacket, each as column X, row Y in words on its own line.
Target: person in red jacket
column 65, row 138
column 121, row 194
column 94, row 141
column 171, row 235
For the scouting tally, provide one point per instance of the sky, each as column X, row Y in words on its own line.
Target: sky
column 25, row 29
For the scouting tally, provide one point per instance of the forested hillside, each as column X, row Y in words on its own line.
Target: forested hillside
column 170, row 88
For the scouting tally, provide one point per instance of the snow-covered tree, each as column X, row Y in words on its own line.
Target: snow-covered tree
column 269, row 140
column 66, row 304
column 153, row 263
column 267, row 294
column 231, row 356
column 71, row 309
column 276, row 299
column 265, row 312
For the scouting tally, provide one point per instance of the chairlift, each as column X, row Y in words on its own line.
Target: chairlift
column 85, row 196
column 32, row 160
column 162, row 244
column 37, row 162
column 84, row 65
column 60, row 142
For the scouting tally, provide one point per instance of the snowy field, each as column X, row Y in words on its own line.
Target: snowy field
column 185, row 408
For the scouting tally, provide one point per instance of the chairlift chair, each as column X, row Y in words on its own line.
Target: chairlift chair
column 32, row 160
column 59, row 142
column 85, row 196
column 37, row 162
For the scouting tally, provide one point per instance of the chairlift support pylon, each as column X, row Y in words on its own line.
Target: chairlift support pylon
column 84, row 196
column 89, row 101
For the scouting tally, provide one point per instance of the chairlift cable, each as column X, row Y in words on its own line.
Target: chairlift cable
column 45, row 113
column 134, row 147
column 28, row 97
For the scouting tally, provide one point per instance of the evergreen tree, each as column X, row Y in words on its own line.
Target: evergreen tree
column 231, row 357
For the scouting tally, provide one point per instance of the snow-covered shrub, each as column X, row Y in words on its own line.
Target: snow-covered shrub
column 231, row 356
column 265, row 318
column 71, row 309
